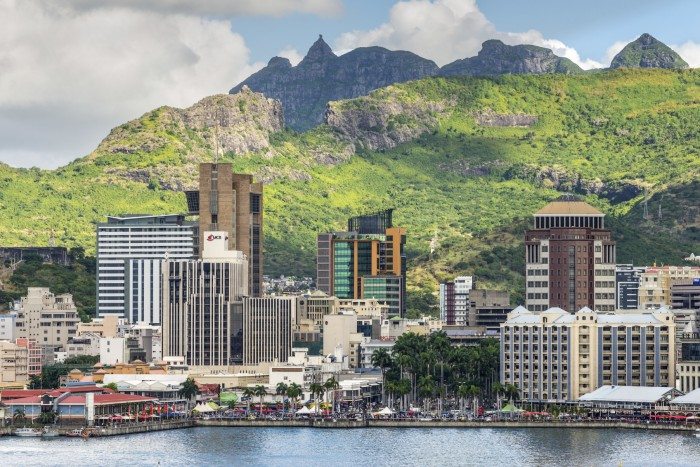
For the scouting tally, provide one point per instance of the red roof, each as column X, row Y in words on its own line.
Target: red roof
column 107, row 399
column 9, row 394
column 24, row 400
column 79, row 390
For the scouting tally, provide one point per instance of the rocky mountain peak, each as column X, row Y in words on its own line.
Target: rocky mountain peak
column 647, row 52
column 319, row 51
column 279, row 62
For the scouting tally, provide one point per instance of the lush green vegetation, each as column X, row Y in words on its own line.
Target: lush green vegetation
column 77, row 279
column 466, row 189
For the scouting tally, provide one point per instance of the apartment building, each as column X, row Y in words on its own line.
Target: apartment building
column 558, row 356
column 570, row 258
column 129, row 251
column 14, row 367
column 49, row 320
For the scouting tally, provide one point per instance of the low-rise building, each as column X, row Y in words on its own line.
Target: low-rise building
column 341, row 336
column 34, row 355
column 394, row 327
column 686, row 295
column 8, row 326
column 85, row 344
column 488, row 308
column 107, row 326
column 559, row 356
column 369, row 346
column 14, row 365
column 656, row 282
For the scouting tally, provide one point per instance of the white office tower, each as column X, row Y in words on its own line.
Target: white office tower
column 129, row 250
column 202, row 309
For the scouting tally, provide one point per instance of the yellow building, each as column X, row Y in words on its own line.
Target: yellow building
column 14, row 366
column 558, row 356
column 106, row 326
column 655, row 284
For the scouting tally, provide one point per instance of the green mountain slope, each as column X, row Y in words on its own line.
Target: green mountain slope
column 465, row 161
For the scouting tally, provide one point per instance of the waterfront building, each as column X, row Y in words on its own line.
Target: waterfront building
column 627, row 279
column 232, row 203
column 656, row 282
column 559, row 356
column 268, row 329
column 570, row 258
column 164, row 387
column 488, row 308
column 126, row 249
column 630, row 399
column 454, row 300
column 686, row 295
column 48, row 319
column 366, row 261
column 201, row 317
column 14, row 365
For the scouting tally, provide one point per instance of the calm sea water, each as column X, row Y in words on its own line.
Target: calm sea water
column 373, row 447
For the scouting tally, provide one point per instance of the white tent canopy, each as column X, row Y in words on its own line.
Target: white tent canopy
column 385, row 411
column 203, row 408
column 304, row 411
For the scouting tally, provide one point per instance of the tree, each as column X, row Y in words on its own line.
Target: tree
column 19, row 417
column 248, row 393
column 189, row 389
column 281, row 390
column 512, row 392
column 474, row 391
column 317, row 391
column 498, row 389
column 293, row 392
column 331, row 385
column 112, row 386
column 47, row 418
column 381, row 358
column 260, row 392
column 426, row 390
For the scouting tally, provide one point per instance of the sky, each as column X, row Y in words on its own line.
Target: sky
column 70, row 70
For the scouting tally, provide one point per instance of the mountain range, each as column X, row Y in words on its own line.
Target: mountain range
column 464, row 161
column 305, row 89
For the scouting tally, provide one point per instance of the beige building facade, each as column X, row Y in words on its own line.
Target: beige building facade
column 48, row 319
column 268, row 329
column 559, row 356
column 655, row 284
column 14, row 365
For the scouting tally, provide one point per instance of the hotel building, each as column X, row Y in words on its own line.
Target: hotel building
column 367, row 261
column 570, row 258
column 558, row 356
column 129, row 250
column 232, row 203
column 454, row 301
column 268, row 329
column 200, row 299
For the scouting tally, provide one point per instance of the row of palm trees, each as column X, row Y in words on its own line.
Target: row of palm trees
column 293, row 391
column 427, row 369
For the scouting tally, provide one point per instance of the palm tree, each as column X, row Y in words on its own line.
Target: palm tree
column 441, row 348
column 261, row 392
column 331, row 385
column 381, row 358
column 293, row 392
column 281, row 390
column 463, row 393
column 188, row 390
column 498, row 389
column 426, row 390
column 19, row 416
column 473, row 391
column 248, row 393
column 512, row 392
column 317, row 389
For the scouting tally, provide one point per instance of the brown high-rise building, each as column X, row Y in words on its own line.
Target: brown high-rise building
column 570, row 258
column 233, row 203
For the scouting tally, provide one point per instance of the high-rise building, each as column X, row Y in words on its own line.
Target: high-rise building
column 627, row 279
column 13, row 365
column 558, row 356
column 367, row 261
column 454, row 300
column 232, row 203
column 656, row 282
column 126, row 249
column 47, row 319
column 570, row 258
column 200, row 300
column 268, row 329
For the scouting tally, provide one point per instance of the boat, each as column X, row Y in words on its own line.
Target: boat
column 49, row 432
column 77, row 433
column 27, row 432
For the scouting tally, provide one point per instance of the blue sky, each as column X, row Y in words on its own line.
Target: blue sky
column 74, row 69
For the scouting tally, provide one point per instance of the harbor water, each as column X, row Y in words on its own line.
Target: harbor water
column 371, row 446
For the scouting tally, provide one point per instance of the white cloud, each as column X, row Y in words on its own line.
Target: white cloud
column 292, row 54
column 446, row 30
column 69, row 76
column 690, row 52
column 214, row 7
column 615, row 49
